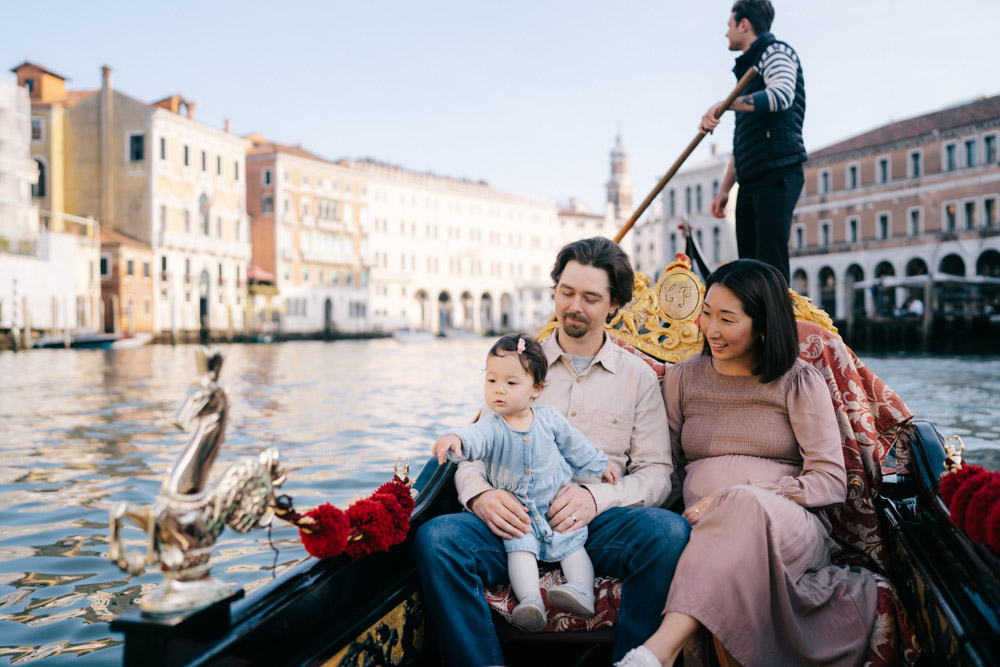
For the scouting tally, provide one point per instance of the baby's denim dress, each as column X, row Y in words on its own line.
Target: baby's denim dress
column 533, row 465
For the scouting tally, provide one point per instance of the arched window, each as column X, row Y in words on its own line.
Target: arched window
column 916, row 267
column 952, row 265
column 800, row 282
column 828, row 290
column 855, row 274
column 38, row 189
column 988, row 264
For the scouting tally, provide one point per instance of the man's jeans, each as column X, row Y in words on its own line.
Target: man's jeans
column 457, row 556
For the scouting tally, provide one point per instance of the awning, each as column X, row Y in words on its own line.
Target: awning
column 920, row 281
column 259, row 275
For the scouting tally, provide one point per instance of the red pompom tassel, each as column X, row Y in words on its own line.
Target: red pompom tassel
column 963, row 496
column 993, row 529
column 370, row 520
column 401, row 492
column 977, row 513
column 328, row 536
column 951, row 482
column 371, row 524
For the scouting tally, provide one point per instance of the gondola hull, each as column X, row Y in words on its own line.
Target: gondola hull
column 369, row 612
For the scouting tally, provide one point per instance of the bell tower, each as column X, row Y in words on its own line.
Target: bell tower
column 620, row 185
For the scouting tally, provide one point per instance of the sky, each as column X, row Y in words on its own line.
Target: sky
column 526, row 95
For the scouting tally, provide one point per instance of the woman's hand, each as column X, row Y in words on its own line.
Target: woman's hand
column 445, row 444
column 610, row 476
column 694, row 513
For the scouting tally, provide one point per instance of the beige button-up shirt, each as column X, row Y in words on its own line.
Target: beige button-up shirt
column 618, row 405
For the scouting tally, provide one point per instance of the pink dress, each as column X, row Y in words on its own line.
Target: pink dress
column 757, row 570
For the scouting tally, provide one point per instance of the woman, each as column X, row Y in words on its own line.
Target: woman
column 758, row 433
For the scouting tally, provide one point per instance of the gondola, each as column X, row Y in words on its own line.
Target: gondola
column 339, row 611
column 368, row 612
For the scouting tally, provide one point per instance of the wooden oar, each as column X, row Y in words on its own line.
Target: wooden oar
column 740, row 86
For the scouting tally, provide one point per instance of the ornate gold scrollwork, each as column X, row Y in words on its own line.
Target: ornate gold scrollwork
column 662, row 321
column 806, row 311
column 953, row 449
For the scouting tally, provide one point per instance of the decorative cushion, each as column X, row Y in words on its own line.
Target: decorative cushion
column 607, row 591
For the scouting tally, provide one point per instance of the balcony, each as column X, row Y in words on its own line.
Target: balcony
column 330, row 225
column 320, row 257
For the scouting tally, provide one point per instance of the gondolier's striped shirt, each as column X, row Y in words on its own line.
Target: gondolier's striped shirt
column 779, row 64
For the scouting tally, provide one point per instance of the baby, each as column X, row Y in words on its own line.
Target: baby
column 531, row 451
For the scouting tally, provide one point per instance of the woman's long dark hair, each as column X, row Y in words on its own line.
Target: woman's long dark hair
column 764, row 294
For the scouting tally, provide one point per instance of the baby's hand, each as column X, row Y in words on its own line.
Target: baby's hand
column 610, row 475
column 448, row 447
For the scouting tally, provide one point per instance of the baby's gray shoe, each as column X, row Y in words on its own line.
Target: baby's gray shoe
column 574, row 598
column 640, row 656
column 529, row 615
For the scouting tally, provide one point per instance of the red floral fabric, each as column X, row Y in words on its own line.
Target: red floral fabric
column 607, row 591
column 870, row 416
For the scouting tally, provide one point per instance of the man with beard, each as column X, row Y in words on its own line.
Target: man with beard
column 614, row 399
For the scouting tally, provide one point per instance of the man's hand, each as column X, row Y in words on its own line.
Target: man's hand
column 709, row 121
column 448, row 443
column 694, row 513
column 572, row 508
column 719, row 204
column 503, row 514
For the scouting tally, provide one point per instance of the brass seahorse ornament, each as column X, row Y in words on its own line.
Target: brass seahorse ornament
column 188, row 516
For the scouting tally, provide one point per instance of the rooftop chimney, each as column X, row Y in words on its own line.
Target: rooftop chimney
column 191, row 110
column 105, row 77
column 227, row 126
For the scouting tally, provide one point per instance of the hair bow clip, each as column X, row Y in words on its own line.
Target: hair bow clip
column 520, row 345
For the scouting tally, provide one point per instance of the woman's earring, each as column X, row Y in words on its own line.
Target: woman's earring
column 762, row 338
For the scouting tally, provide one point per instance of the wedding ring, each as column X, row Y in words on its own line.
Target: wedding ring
column 697, row 511
column 573, row 516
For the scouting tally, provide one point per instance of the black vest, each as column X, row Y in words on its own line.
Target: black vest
column 763, row 142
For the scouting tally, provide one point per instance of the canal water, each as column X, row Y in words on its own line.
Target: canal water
column 81, row 430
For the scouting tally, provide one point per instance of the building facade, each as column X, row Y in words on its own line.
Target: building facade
column 454, row 254
column 311, row 227
column 687, row 197
column 914, row 197
column 160, row 177
column 48, row 261
column 126, row 283
column 49, row 101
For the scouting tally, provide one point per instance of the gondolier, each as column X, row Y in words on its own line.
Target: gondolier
column 768, row 150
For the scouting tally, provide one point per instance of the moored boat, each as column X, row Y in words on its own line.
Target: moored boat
column 78, row 340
